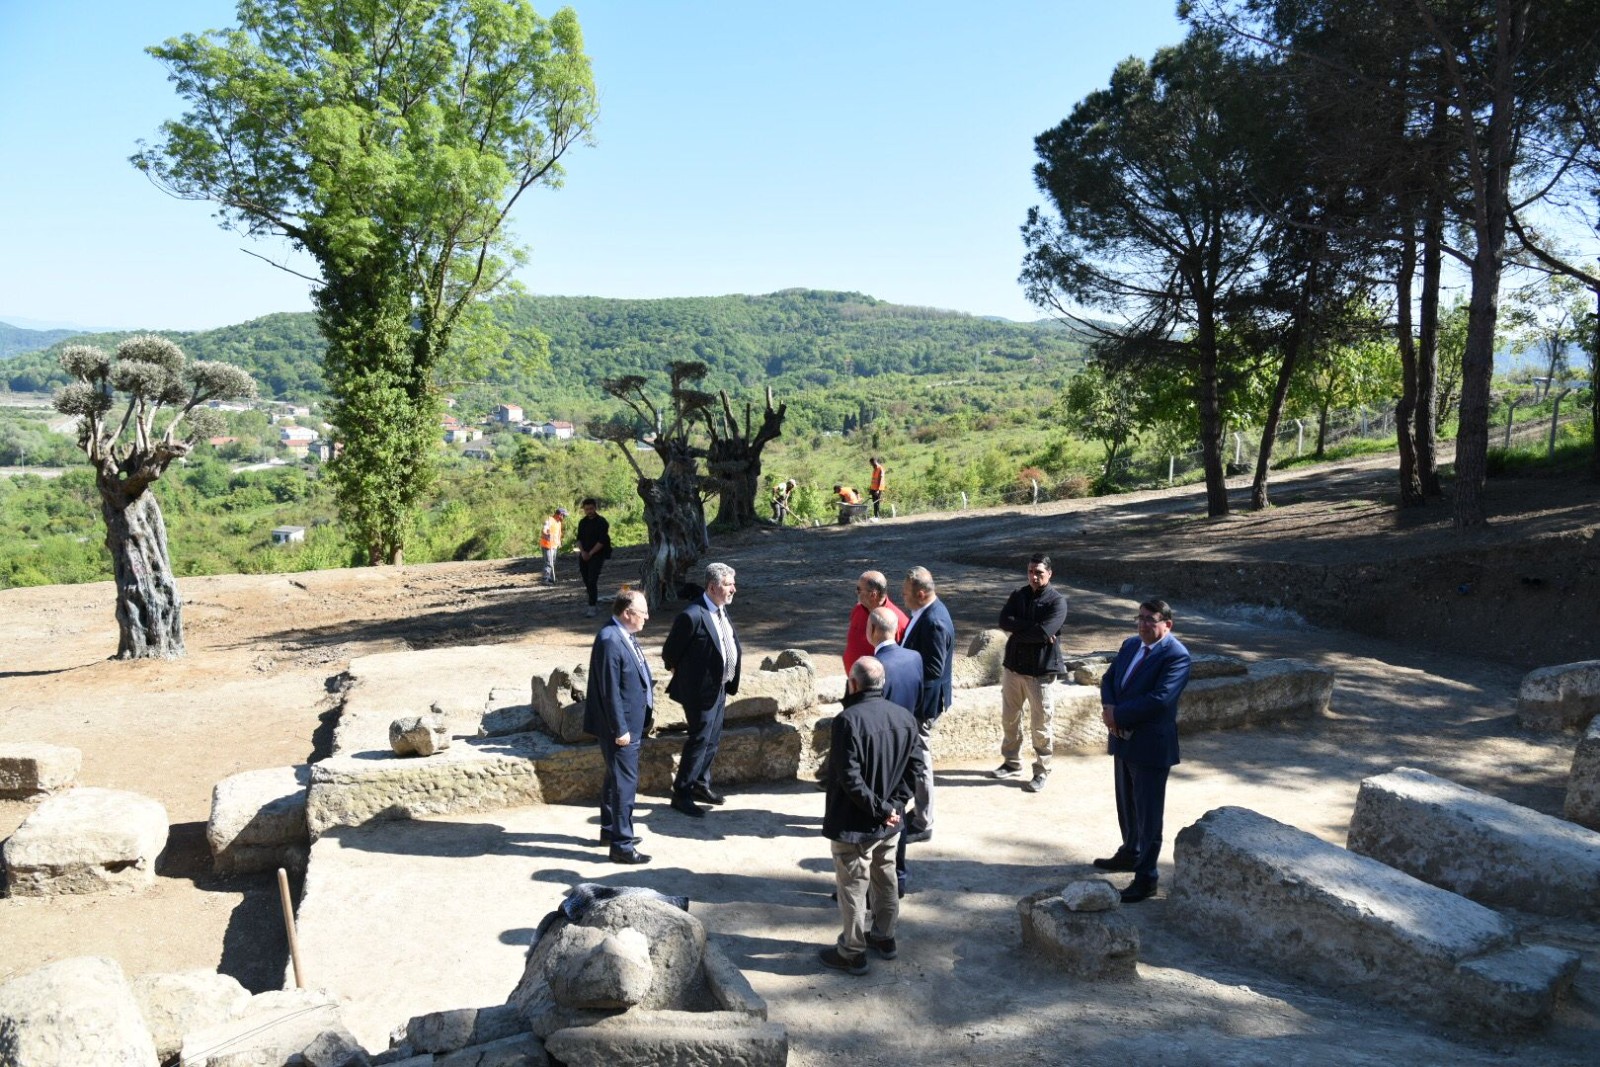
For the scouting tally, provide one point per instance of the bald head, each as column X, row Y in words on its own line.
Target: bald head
column 866, row 673
column 872, row 589
column 881, row 625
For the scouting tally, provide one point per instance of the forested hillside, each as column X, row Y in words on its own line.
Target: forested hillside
column 15, row 339
column 796, row 341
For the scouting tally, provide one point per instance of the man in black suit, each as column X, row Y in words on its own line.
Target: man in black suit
column 872, row 768
column 616, row 710
column 702, row 652
column 932, row 635
column 1139, row 705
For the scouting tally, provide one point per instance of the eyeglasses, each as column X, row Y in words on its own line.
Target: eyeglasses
column 1151, row 619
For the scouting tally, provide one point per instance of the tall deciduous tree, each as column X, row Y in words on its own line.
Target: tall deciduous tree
column 389, row 140
column 129, row 451
column 1154, row 220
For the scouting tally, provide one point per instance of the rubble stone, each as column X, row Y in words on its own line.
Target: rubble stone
column 1100, row 945
column 419, row 735
column 77, row 1011
column 1583, row 781
column 258, row 820
column 31, row 768
column 173, row 1004
column 1563, row 697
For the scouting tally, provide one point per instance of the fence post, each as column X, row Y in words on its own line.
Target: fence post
column 1299, row 438
column 1511, row 411
column 1172, row 469
column 1555, row 418
column 1238, row 448
column 963, row 500
column 1035, row 482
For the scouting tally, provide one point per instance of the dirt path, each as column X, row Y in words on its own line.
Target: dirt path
column 254, row 692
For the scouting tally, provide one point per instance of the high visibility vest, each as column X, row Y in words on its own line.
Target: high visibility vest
column 877, row 479
column 550, row 536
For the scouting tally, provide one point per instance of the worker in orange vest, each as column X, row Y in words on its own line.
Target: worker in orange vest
column 846, row 494
column 550, row 542
column 876, row 488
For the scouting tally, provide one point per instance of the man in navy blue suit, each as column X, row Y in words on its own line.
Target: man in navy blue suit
column 932, row 635
column 616, row 710
column 1139, row 704
column 902, row 668
column 702, row 652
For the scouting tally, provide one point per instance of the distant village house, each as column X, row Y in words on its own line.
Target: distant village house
column 509, row 414
column 288, row 535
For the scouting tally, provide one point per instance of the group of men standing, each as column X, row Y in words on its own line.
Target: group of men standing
column 879, row 773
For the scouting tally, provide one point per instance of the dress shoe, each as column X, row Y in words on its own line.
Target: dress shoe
column 1138, row 890
column 706, row 795
column 914, row 837
column 688, row 807
column 1119, row 862
column 628, row 855
column 832, row 957
column 885, row 945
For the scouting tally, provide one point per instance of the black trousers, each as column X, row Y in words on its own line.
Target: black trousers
column 590, row 570
column 705, row 734
column 1141, row 800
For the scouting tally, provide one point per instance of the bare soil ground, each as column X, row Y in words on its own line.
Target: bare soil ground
column 1429, row 630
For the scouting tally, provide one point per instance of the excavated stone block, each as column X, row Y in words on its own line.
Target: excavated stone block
column 1091, row 894
column 1273, row 690
column 419, row 735
column 672, row 1039
column 1583, row 781
column 983, row 662
column 32, row 768
column 77, row 1011
column 519, row 1050
column 87, row 840
column 446, row 1031
column 1563, row 697
column 258, row 820
column 175, row 1003
column 275, row 1028
column 729, row 987
column 1300, row 905
column 1480, row 846
column 1086, row 944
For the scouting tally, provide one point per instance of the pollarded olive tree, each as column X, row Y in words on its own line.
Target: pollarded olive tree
column 389, row 140
column 130, row 451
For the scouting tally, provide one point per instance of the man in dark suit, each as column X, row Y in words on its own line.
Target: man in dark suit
column 872, row 763
column 702, row 652
column 616, row 710
column 902, row 668
column 1139, row 704
column 932, row 635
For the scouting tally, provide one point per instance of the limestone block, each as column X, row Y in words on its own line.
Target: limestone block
column 335, row 1048
column 1088, row 670
column 446, row 1031
column 258, row 820
column 477, row 775
column 558, row 696
column 31, row 768
column 1273, row 690
column 779, row 691
column 519, row 1050
column 87, row 840
column 1298, row 904
column 671, row 1039
column 831, row 690
column 74, row 1011
column 729, row 987
column 418, row 735
column 1086, row 944
column 613, row 972
column 506, row 713
column 1480, row 846
column 1091, row 894
column 983, row 662
column 789, row 657
column 1564, row 697
column 275, row 1028
column 175, row 1003
column 1583, row 781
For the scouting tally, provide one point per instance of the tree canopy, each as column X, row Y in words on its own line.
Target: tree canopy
column 389, row 140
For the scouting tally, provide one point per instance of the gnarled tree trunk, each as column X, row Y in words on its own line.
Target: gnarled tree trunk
column 734, row 461
column 149, row 609
column 675, row 520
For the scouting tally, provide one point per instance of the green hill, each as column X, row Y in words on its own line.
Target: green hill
column 798, row 341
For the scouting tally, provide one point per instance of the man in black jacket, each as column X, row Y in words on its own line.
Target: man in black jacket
column 702, row 652
column 1033, row 616
column 873, row 763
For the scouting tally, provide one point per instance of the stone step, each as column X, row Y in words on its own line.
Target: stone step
column 1583, row 781
column 1318, row 912
column 1477, row 845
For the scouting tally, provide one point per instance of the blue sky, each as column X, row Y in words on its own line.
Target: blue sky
column 884, row 147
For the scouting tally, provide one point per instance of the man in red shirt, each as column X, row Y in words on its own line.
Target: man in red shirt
column 872, row 592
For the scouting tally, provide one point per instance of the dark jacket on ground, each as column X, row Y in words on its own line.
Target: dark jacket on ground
column 873, row 763
column 1032, row 619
